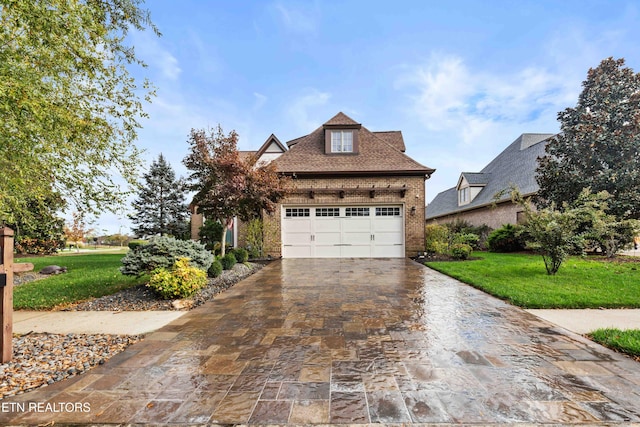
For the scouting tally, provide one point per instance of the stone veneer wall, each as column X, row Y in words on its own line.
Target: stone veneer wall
column 494, row 217
column 414, row 196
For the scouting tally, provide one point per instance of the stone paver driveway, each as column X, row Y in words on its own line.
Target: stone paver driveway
column 352, row 341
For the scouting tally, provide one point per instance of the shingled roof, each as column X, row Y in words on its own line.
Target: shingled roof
column 379, row 153
column 515, row 166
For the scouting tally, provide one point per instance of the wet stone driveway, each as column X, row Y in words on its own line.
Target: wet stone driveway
column 352, row 341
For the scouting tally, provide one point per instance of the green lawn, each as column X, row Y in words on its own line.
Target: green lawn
column 624, row 341
column 89, row 275
column 522, row 280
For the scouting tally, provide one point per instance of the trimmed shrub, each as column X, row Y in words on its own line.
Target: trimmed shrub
column 228, row 261
column 241, row 254
column 470, row 239
column 216, row 268
column 135, row 244
column 163, row 252
column 460, row 226
column 210, row 235
column 181, row 281
column 506, row 239
column 436, row 239
column 460, row 251
column 255, row 238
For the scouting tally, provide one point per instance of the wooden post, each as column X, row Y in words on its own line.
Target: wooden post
column 6, row 293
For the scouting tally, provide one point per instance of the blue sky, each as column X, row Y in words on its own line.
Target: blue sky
column 460, row 79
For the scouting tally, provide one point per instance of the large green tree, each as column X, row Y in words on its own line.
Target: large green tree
column 227, row 185
column 69, row 107
column 599, row 143
column 42, row 231
column 160, row 208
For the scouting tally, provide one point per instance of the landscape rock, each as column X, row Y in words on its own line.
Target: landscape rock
column 53, row 269
column 42, row 359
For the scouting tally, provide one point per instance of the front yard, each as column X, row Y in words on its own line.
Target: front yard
column 88, row 276
column 521, row 279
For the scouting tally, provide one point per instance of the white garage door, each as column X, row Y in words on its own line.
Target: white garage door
column 343, row 232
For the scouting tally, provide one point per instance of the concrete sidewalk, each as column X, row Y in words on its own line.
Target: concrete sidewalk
column 92, row 322
column 587, row 320
column 141, row 322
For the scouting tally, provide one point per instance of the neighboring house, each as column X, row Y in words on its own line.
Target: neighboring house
column 473, row 198
column 269, row 151
column 355, row 193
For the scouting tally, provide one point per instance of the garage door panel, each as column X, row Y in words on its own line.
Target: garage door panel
column 298, row 239
column 385, row 239
column 388, row 251
column 297, row 225
column 297, row 251
column 356, row 251
column 327, row 251
column 393, row 224
column 330, row 238
column 356, row 224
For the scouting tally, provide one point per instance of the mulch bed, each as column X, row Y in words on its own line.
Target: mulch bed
column 40, row 359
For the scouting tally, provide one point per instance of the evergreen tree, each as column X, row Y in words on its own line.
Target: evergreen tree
column 160, row 208
column 599, row 143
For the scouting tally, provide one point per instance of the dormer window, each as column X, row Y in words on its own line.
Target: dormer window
column 341, row 136
column 342, row 141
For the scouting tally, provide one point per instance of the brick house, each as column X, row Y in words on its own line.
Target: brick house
column 355, row 193
column 472, row 199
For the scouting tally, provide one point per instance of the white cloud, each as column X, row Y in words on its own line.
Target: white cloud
column 260, row 101
column 149, row 49
column 472, row 114
column 301, row 111
column 301, row 19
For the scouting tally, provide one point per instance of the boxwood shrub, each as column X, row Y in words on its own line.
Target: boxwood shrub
column 228, row 261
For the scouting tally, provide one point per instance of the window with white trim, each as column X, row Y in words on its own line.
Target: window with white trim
column 327, row 211
column 296, row 212
column 341, row 141
column 463, row 196
column 388, row 211
column 357, row 211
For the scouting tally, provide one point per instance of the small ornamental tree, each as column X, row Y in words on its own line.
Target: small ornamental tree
column 76, row 230
column 599, row 143
column 160, row 209
column 558, row 233
column 225, row 185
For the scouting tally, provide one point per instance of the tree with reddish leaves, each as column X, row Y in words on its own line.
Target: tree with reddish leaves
column 599, row 143
column 226, row 185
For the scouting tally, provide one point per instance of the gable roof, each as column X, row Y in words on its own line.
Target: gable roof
column 264, row 148
column 475, row 178
column 272, row 140
column 515, row 166
column 376, row 155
